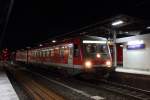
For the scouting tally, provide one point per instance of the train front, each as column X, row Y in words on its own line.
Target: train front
column 97, row 55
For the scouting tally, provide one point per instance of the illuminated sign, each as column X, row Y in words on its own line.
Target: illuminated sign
column 135, row 42
column 134, row 45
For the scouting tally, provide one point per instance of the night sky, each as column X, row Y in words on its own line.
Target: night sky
column 32, row 21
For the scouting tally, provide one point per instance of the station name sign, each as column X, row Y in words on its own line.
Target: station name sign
column 134, row 45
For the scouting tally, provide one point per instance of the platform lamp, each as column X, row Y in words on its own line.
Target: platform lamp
column 53, row 41
column 115, row 25
column 148, row 27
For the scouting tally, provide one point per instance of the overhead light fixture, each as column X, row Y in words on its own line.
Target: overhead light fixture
column 126, row 32
column 28, row 47
column 135, row 42
column 118, row 22
column 148, row 27
column 40, row 45
column 54, row 41
column 88, row 41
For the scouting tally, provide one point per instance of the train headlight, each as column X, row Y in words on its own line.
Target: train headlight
column 108, row 63
column 98, row 55
column 88, row 64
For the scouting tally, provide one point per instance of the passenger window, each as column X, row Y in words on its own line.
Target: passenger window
column 76, row 50
column 62, row 52
column 47, row 53
column 40, row 53
column 43, row 54
column 52, row 52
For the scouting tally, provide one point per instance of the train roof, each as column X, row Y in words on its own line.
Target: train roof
column 137, row 37
column 85, row 37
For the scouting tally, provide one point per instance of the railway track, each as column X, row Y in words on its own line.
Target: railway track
column 114, row 88
column 38, row 91
column 128, row 90
column 134, row 93
column 125, row 90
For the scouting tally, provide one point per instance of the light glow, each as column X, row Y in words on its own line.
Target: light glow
column 40, row 45
column 148, row 27
column 54, row 41
column 135, row 47
column 108, row 63
column 125, row 70
column 110, row 42
column 126, row 32
column 88, row 41
column 136, row 42
column 98, row 55
column 121, row 45
column 57, row 48
column 70, row 45
column 116, row 23
column 88, row 64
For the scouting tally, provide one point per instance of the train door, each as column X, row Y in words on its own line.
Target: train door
column 119, row 54
column 70, row 54
column 119, row 48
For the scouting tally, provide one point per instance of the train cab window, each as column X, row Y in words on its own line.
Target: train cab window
column 91, row 50
column 76, row 50
column 102, row 48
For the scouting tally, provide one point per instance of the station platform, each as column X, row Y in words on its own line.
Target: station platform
column 132, row 77
column 7, row 92
column 132, row 71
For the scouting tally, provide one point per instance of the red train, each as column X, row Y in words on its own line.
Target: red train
column 76, row 55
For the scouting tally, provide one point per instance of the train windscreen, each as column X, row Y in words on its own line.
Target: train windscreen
column 95, row 50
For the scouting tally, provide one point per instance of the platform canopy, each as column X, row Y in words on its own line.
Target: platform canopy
column 123, row 25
